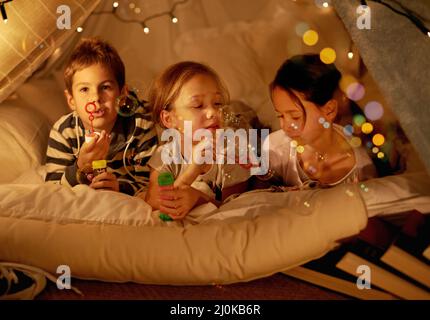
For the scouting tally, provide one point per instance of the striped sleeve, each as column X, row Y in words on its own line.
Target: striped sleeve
column 60, row 160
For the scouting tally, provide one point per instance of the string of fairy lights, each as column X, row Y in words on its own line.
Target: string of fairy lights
column 137, row 10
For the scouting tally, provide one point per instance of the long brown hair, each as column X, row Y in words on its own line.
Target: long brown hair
column 166, row 88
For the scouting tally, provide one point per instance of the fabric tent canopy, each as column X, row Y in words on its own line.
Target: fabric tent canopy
column 397, row 55
column 397, row 70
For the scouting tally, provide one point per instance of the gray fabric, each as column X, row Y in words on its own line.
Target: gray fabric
column 397, row 55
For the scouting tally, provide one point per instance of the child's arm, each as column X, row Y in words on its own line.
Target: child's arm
column 191, row 174
column 177, row 203
column 61, row 163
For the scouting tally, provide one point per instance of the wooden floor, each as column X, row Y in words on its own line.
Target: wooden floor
column 276, row 287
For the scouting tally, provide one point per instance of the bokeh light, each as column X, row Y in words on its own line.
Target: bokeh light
column 348, row 130
column 375, row 150
column 355, row 91
column 346, row 81
column 381, row 155
column 328, row 55
column 378, row 139
column 301, row 28
column 358, row 120
column 355, row 142
column 300, row 149
column 310, row 38
column 373, row 110
column 366, row 128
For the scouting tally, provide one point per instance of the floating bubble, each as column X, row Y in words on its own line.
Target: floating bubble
column 301, row 28
column 355, row 142
column 358, row 120
column 378, row 139
column 310, row 38
column 366, row 128
column 348, row 130
column 355, row 91
column 127, row 105
column 328, row 55
column 374, row 111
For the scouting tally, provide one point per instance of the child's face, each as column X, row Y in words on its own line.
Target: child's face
column 305, row 128
column 95, row 83
column 200, row 102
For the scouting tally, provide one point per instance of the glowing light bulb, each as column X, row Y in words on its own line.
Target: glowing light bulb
column 145, row 28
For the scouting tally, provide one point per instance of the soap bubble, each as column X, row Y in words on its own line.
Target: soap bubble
column 127, row 105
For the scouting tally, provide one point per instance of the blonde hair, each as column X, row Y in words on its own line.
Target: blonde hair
column 167, row 86
column 91, row 51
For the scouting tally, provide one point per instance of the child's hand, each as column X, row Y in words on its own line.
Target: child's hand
column 105, row 180
column 178, row 202
column 96, row 149
column 191, row 173
column 197, row 168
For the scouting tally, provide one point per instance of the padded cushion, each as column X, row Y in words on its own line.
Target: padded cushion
column 23, row 139
column 110, row 236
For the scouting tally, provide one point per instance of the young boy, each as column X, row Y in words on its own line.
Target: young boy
column 95, row 74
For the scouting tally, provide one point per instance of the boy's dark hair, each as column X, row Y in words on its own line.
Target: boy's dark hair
column 90, row 51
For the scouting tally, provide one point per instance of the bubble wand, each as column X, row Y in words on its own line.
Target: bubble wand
column 90, row 111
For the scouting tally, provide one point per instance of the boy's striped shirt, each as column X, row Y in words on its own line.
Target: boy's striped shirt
column 67, row 136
